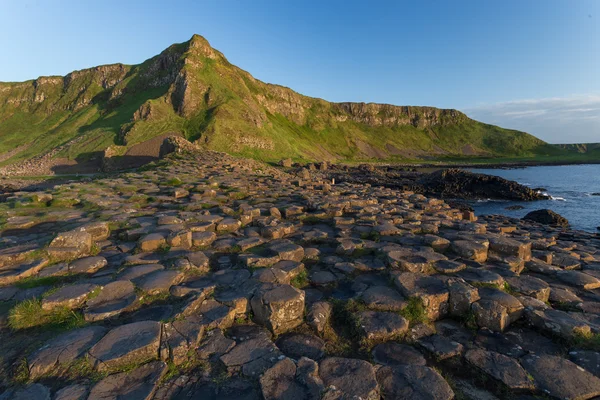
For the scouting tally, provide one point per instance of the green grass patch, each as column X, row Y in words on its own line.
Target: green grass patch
column 30, row 314
column 415, row 311
column 300, row 280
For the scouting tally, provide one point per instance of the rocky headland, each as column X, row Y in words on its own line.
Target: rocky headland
column 208, row 276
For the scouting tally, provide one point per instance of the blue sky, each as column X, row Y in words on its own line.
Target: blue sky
column 527, row 64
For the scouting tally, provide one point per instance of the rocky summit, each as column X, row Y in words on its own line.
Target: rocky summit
column 208, row 276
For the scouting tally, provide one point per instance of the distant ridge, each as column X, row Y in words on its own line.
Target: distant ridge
column 191, row 89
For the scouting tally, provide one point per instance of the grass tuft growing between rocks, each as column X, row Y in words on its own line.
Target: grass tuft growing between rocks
column 300, row 280
column 30, row 314
column 414, row 312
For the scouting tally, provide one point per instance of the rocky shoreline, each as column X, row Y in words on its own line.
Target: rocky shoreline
column 208, row 276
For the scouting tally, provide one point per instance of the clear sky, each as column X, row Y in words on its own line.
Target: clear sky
column 526, row 64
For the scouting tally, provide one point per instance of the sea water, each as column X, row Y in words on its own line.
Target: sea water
column 574, row 191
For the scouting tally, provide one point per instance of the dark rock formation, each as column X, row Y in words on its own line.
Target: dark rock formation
column 456, row 183
column 547, row 217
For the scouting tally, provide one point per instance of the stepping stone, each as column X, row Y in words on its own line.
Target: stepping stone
column 479, row 276
column 298, row 345
column 287, row 250
column 530, row 286
column 508, row 246
column 158, row 281
column 558, row 323
column 252, row 356
column 499, row 343
column 285, row 381
column 72, row 392
column 462, row 296
column 565, row 261
column 137, row 271
column 114, row 299
column 441, row 347
column 132, row 343
column 378, row 325
column 241, row 333
column 215, row 345
column 32, row 391
column 152, row 242
column 430, row 289
column 470, row 250
column 203, row 239
column 579, row 280
column 392, row 354
column 70, row 245
column 201, row 288
column 181, row 336
column 500, row 367
column 279, row 308
column 87, row 265
column 229, row 225
column 407, row 382
column 138, row 384
column 383, row 298
column 216, row 315
column 590, row 360
column 72, row 296
column 12, row 274
column 63, row 350
column 99, row 230
column 350, row 378
column 449, row 266
column 561, row 378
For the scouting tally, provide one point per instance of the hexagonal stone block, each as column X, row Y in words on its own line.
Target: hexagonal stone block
column 279, row 308
column 378, row 325
column 63, row 350
column 139, row 384
column 349, row 378
column 127, row 344
column 70, row 245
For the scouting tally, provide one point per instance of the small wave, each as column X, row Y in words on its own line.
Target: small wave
column 557, row 198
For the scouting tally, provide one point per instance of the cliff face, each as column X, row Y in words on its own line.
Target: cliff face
column 192, row 89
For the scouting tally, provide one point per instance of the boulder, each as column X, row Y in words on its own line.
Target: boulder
column 546, row 217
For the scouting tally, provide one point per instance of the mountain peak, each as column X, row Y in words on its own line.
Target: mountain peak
column 198, row 44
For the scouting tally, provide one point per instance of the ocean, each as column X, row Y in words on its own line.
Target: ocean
column 572, row 188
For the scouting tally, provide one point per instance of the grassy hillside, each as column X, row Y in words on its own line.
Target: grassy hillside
column 192, row 89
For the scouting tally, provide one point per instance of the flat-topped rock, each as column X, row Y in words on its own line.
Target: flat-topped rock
column 500, row 367
column 392, row 354
column 279, row 308
column 298, row 345
column 63, row 350
column 72, row 296
column 87, row 265
column 383, row 298
column 132, row 343
column 159, row 281
column 379, row 325
column 413, row 382
column 113, row 299
column 138, row 384
column 70, row 245
column 561, row 378
column 349, row 378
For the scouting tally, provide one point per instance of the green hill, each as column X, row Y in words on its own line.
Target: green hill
column 191, row 89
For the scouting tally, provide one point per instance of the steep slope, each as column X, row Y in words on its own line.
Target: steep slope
column 191, row 89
